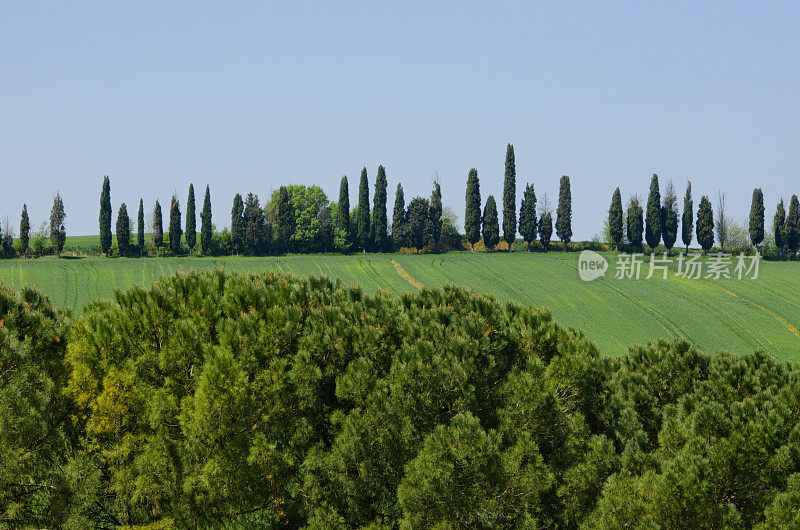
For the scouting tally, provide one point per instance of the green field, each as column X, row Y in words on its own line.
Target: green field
column 613, row 313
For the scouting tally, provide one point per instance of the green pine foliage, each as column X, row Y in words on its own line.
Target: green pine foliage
column 615, row 219
column 140, row 228
column 635, row 220
column 472, row 215
column 705, row 224
column 380, row 224
column 24, row 231
column 123, row 230
column 436, row 219
column 237, row 224
column 491, row 226
column 510, row 198
column 779, row 227
column 57, row 232
column 363, row 218
column 105, row 216
column 206, row 228
column 191, row 220
column 564, row 212
column 793, row 227
column 687, row 220
column 545, row 230
column 757, row 218
column 653, row 220
column 527, row 216
column 399, row 219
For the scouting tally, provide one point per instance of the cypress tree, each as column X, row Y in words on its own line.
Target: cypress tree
column 254, row 239
column 362, row 228
column 24, row 231
column 418, row 225
column 491, row 225
column 237, row 224
column 687, row 221
column 399, row 219
column 105, row 216
column 158, row 227
column 705, row 224
column 653, row 219
column 123, row 230
column 635, row 222
column 615, row 228
column 757, row 218
column 472, row 216
column 669, row 215
column 343, row 210
column 57, row 233
column 510, row 198
column 546, row 230
column 779, row 227
column 527, row 216
column 191, row 220
column 140, row 235
column 175, row 230
column 380, row 223
column 793, row 227
column 564, row 212
column 205, row 224
column 436, row 216
column 283, row 222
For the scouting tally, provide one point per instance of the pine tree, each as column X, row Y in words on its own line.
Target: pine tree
column 564, row 213
column 527, row 216
column 687, row 221
column 237, row 224
column 57, row 233
column 343, row 213
column 705, row 224
column 546, row 230
column 653, row 219
column 436, row 216
column 205, row 224
column 399, row 219
column 283, row 222
column 757, row 218
column 380, row 223
column 24, row 231
column 105, row 216
column 140, row 220
column 123, row 230
column 615, row 216
column 362, row 230
column 158, row 227
column 491, row 226
column 669, row 218
column 779, row 228
column 472, row 216
column 510, row 198
column 191, row 220
column 635, row 222
column 793, row 227
column 175, row 230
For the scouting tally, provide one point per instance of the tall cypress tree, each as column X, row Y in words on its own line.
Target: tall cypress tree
column 254, row 239
column 472, row 216
column 191, row 220
column 399, row 219
column 362, row 229
column 793, row 227
column 175, row 230
column 380, row 223
column 564, row 212
column 653, row 220
column 491, row 225
column 546, row 230
column 237, row 224
column 527, row 216
column 757, row 217
column 140, row 234
column 705, row 224
column 343, row 211
column 105, row 216
column 205, row 224
column 158, row 227
column 687, row 221
column 669, row 218
column 435, row 211
column 284, row 221
column 57, row 233
column 418, row 223
column 615, row 229
column 779, row 228
column 24, row 231
column 635, row 222
column 510, row 198
column 123, row 230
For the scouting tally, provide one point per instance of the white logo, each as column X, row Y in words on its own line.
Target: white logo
column 591, row 265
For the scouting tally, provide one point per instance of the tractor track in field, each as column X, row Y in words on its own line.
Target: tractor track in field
column 406, row 276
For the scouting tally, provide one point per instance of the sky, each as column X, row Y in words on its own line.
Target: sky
column 248, row 96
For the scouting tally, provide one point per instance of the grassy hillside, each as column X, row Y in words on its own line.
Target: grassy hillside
column 738, row 316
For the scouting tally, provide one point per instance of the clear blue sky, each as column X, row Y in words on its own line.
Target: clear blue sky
column 246, row 96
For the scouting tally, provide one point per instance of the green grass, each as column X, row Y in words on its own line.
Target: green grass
column 613, row 313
